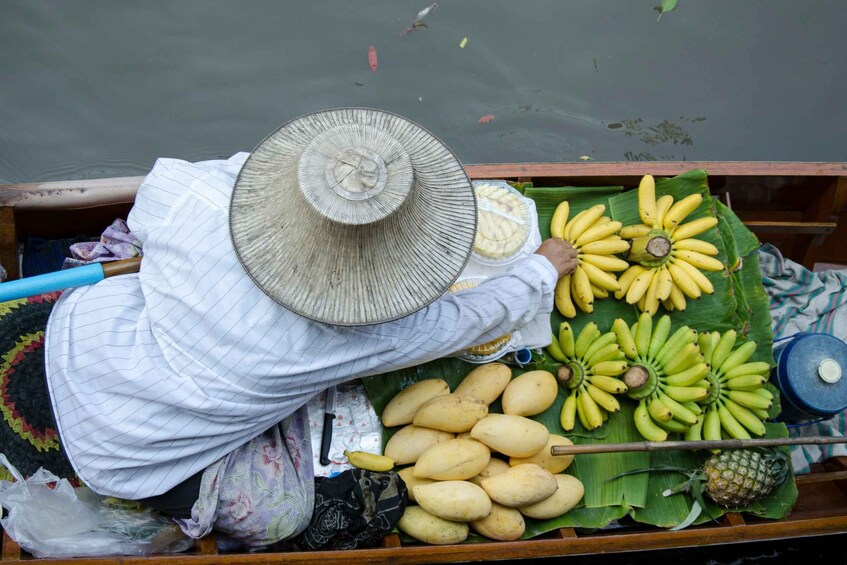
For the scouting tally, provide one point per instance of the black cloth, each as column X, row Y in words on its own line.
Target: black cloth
column 178, row 501
column 356, row 508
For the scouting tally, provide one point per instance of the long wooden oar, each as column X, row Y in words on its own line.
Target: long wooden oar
column 60, row 280
column 713, row 444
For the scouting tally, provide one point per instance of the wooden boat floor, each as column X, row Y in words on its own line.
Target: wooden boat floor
column 821, row 510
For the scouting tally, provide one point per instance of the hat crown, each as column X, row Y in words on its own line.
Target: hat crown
column 355, row 174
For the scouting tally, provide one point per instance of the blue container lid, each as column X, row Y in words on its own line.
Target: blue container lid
column 812, row 373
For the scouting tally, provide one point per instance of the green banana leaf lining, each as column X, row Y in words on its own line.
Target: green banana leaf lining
column 739, row 302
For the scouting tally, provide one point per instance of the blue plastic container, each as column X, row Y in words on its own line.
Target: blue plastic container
column 809, row 376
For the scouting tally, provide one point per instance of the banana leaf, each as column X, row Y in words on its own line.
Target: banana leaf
column 739, row 302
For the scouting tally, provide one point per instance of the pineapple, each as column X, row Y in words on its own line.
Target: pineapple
column 735, row 478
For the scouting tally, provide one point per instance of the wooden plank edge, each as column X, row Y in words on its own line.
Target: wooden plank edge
column 594, row 544
column 75, row 194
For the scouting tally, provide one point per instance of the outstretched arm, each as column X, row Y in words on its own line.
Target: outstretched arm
column 498, row 306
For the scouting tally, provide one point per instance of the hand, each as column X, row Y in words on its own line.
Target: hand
column 560, row 253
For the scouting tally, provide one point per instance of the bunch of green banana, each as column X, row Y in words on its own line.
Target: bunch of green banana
column 667, row 258
column 738, row 400
column 595, row 238
column 591, row 361
column 667, row 375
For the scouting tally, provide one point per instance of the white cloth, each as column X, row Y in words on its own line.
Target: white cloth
column 154, row 376
column 803, row 301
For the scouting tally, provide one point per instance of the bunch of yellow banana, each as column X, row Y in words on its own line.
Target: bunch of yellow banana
column 667, row 258
column 591, row 361
column 667, row 375
column 738, row 400
column 595, row 238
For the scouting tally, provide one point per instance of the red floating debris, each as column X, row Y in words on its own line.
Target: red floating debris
column 372, row 58
column 486, row 118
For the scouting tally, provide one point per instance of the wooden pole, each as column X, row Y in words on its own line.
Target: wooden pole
column 670, row 445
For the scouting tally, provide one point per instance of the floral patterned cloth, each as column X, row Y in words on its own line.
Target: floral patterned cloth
column 116, row 242
column 262, row 492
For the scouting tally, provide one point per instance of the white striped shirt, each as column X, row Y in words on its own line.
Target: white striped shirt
column 156, row 375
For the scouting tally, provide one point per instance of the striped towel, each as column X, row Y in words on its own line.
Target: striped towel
column 805, row 301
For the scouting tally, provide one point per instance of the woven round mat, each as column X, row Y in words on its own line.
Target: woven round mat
column 28, row 434
column 353, row 216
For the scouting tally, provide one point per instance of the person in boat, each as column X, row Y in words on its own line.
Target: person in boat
column 321, row 257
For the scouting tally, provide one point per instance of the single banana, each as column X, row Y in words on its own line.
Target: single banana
column 560, row 220
column 723, row 348
column 764, row 393
column 695, row 432
column 637, row 230
column 600, row 278
column 661, row 331
column 663, row 204
column 598, row 292
column 674, row 345
column 681, row 210
column 689, row 376
column 746, row 418
column 698, row 245
column 643, row 333
column 583, row 221
column 699, row 260
column 568, row 415
column 598, row 232
column 647, row 200
column 665, row 285
column 556, row 351
column 651, row 298
column 607, row 383
column 593, row 415
column 754, row 368
column 580, row 411
column 604, row 262
column 746, row 382
column 679, row 411
column 731, row 425
column 704, row 340
column 688, row 356
column 626, row 278
column 673, row 426
column 625, row 338
column 639, row 286
column 567, row 339
column 603, row 399
column 694, row 227
column 645, row 425
column 695, row 274
column 659, row 411
column 611, row 352
column 605, row 247
column 738, row 357
column 685, row 283
column 686, row 393
column 608, row 338
column 562, row 297
column 581, row 290
column 586, row 337
column 676, row 297
column 749, row 399
column 610, row 368
column 369, row 461
column 711, row 425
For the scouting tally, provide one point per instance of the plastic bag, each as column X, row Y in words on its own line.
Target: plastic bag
column 50, row 519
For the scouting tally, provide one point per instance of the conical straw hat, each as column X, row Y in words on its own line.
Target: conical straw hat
column 353, row 216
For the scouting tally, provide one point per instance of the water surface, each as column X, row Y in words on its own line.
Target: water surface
column 102, row 88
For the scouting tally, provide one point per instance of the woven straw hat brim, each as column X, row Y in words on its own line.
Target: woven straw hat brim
column 342, row 273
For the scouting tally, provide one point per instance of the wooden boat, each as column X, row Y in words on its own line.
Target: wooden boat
column 796, row 206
